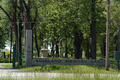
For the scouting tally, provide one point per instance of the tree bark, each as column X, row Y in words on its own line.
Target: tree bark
column 107, row 35
column 36, row 42
column 81, row 38
column 66, row 48
column 20, row 33
column 52, row 49
column 76, row 44
column 93, row 30
column 15, row 27
column 87, row 51
column 20, row 43
column 5, row 13
column 57, row 49
column 103, row 47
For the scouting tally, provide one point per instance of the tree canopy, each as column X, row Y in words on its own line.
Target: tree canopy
column 71, row 27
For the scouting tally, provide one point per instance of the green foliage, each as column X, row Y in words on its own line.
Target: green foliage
column 114, row 26
column 4, row 23
column 56, row 21
column 5, row 60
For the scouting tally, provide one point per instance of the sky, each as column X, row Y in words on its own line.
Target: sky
column 7, row 47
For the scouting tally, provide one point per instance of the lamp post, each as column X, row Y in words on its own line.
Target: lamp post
column 107, row 34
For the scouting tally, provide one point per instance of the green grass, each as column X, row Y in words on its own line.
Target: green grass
column 10, row 65
column 67, row 69
column 68, row 77
column 76, row 70
column 70, row 69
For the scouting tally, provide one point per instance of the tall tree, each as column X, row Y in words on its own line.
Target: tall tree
column 13, row 4
column 93, row 29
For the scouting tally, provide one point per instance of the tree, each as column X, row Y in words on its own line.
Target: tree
column 93, row 29
column 9, row 17
column 4, row 26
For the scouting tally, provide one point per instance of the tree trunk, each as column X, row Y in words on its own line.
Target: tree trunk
column 87, row 51
column 66, row 49
column 36, row 42
column 4, row 55
column 93, row 30
column 52, row 49
column 15, row 28
column 20, row 43
column 61, row 52
column 81, row 38
column 76, row 44
column 20, row 27
column 103, row 47
column 10, row 46
column 57, row 49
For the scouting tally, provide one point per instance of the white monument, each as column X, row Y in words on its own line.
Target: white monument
column 44, row 50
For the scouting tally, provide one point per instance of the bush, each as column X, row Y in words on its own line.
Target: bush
column 5, row 60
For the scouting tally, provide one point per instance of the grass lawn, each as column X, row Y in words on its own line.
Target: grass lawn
column 70, row 69
column 76, row 70
column 65, row 77
column 67, row 69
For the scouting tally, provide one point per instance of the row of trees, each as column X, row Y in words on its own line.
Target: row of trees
column 70, row 26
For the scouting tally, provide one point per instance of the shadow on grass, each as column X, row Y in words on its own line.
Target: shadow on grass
column 6, row 68
column 98, row 67
column 46, row 68
column 19, row 67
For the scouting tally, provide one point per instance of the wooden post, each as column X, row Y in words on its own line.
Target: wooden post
column 107, row 35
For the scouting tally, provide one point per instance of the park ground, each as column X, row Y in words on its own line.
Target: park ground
column 58, row 72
